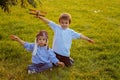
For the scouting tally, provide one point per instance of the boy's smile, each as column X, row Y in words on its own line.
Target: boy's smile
column 64, row 23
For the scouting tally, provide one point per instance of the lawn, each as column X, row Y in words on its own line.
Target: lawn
column 97, row 19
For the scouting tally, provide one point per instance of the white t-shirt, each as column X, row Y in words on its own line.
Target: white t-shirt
column 63, row 39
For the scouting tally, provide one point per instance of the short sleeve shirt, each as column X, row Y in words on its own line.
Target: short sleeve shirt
column 63, row 39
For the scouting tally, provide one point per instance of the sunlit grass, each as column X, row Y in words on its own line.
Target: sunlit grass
column 97, row 19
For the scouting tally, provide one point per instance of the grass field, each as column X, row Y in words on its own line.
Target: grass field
column 97, row 19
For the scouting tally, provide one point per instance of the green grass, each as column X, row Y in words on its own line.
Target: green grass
column 97, row 19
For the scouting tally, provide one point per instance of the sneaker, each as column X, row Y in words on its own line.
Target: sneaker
column 31, row 71
column 71, row 60
column 51, row 69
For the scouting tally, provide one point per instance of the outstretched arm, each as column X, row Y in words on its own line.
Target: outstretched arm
column 86, row 38
column 16, row 38
column 41, row 17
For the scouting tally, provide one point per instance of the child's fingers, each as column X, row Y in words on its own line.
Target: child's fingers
column 92, row 41
column 62, row 64
column 13, row 37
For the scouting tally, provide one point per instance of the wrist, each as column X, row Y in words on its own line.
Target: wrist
column 40, row 17
column 18, row 39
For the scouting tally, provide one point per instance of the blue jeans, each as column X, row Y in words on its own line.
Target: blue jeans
column 40, row 67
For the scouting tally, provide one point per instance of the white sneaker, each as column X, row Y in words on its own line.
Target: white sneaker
column 31, row 71
column 51, row 69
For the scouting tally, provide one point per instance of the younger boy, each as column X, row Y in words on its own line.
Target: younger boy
column 42, row 56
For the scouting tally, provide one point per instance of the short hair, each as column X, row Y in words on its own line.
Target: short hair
column 65, row 16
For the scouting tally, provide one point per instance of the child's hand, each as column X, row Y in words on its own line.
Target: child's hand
column 37, row 12
column 13, row 37
column 61, row 64
column 91, row 41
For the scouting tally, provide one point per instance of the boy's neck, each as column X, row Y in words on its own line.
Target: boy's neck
column 65, row 28
column 41, row 46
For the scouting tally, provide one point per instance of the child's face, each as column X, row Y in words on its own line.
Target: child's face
column 42, row 41
column 64, row 23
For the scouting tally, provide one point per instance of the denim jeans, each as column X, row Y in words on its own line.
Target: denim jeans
column 39, row 67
